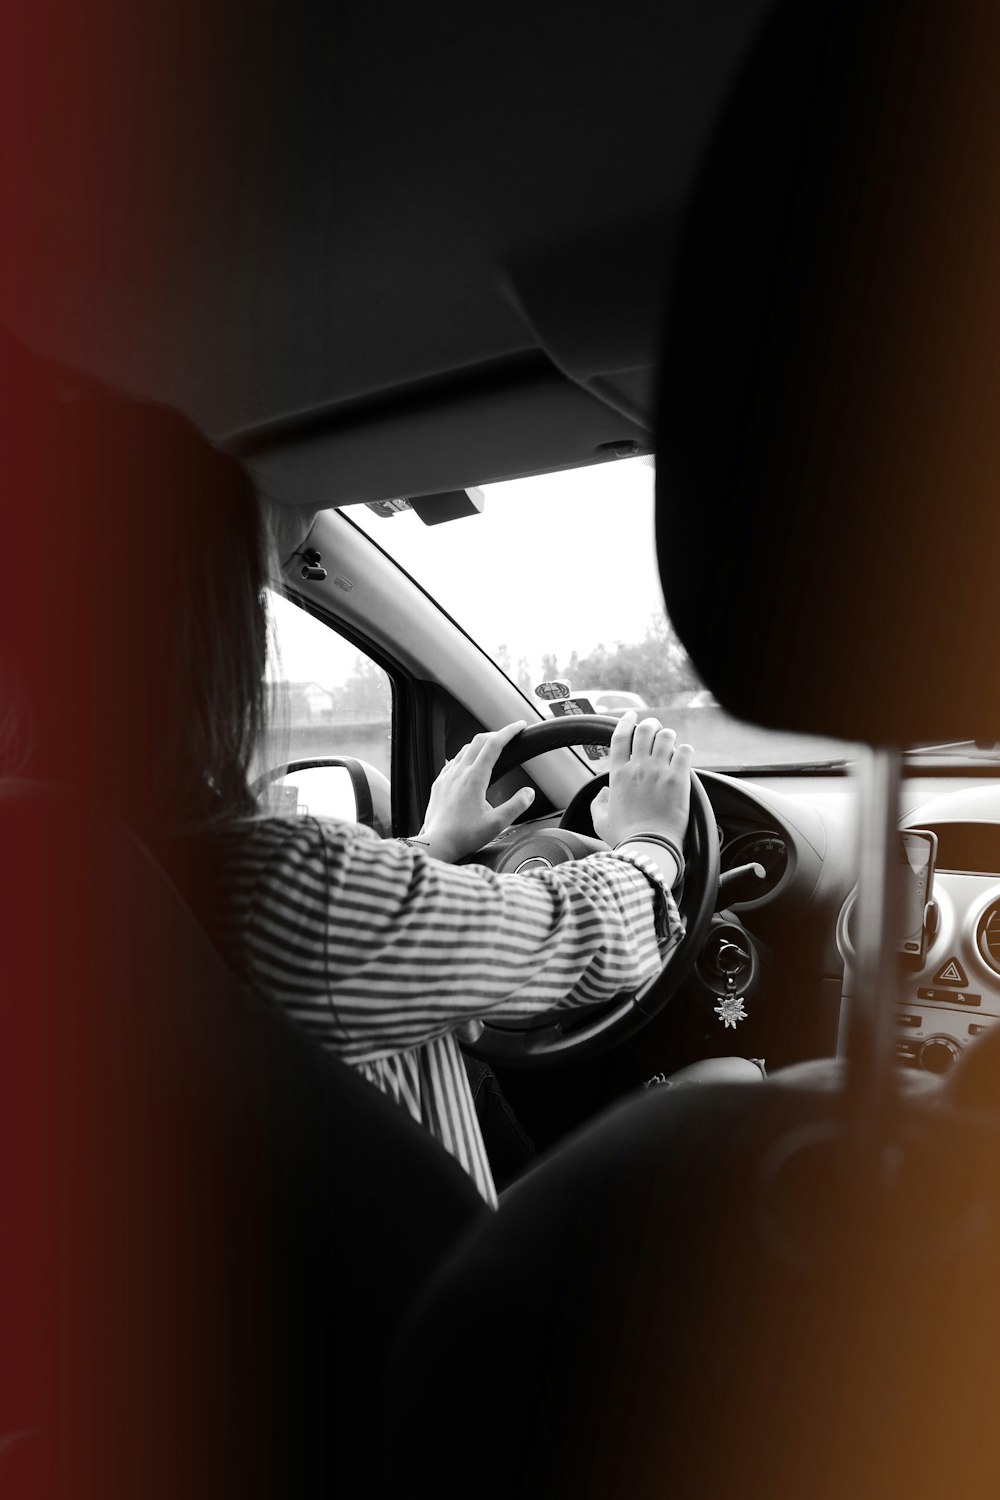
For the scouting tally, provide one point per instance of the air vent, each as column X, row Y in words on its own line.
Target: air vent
column 988, row 936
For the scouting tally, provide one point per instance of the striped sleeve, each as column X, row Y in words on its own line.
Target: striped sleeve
column 431, row 1084
column 377, row 948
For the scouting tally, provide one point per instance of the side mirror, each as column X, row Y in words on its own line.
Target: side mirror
column 334, row 787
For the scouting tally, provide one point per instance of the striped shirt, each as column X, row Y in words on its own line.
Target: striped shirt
column 381, row 952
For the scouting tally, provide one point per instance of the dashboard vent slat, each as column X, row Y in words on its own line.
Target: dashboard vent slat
column 988, row 936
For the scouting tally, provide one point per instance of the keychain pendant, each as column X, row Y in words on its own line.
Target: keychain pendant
column 731, row 1009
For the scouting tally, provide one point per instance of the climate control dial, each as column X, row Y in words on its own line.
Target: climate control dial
column 938, row 1054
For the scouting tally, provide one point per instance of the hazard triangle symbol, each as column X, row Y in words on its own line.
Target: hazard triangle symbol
column 951, row 973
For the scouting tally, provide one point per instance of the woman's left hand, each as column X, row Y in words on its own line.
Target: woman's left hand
column 459, row 820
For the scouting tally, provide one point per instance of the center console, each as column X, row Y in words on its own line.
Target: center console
column 948, row 985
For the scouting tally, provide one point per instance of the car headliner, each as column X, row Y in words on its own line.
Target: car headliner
column 381, row 249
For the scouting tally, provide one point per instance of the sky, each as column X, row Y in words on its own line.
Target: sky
column 557, row 563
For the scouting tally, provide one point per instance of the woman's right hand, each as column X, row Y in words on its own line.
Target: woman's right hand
column 459, row 819
column 650, row 784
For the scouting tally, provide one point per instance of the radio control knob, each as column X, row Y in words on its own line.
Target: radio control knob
column 939, row 1054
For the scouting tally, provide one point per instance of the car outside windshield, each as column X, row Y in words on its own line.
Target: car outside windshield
column 556, row 578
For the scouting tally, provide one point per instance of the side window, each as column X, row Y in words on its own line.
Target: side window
column 328, row 699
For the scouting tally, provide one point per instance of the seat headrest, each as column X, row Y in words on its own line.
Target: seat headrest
column 828, row 451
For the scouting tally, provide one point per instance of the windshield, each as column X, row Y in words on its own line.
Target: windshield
column 556, row 579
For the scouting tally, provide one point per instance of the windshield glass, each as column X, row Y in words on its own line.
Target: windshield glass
column 557, row 579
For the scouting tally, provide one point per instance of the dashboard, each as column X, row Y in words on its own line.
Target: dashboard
column 948, row 997
column 952, row 995
column 790, row 918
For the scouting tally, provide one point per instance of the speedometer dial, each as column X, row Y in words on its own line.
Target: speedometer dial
column 764, row 848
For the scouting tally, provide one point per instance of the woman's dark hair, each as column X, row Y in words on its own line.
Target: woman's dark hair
column 135, row 629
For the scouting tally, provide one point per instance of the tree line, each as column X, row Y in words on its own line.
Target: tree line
column 657, row 667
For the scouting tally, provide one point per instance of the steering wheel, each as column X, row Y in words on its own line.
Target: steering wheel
column 584, row 1031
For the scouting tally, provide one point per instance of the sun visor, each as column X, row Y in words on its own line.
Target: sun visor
column 828, row 435
column 512, row 417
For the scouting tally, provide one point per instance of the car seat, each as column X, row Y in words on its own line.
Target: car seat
column 786, row 1291
column 211, row 1228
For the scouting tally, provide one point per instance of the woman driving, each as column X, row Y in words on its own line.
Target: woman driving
column 138, row 681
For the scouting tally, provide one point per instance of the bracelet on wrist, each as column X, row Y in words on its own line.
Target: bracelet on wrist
column 656, row 838
column 424, row 843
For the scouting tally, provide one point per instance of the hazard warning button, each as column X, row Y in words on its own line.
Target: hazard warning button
column 951, row 973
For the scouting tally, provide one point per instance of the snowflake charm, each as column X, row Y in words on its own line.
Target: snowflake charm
column 730, row 1010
